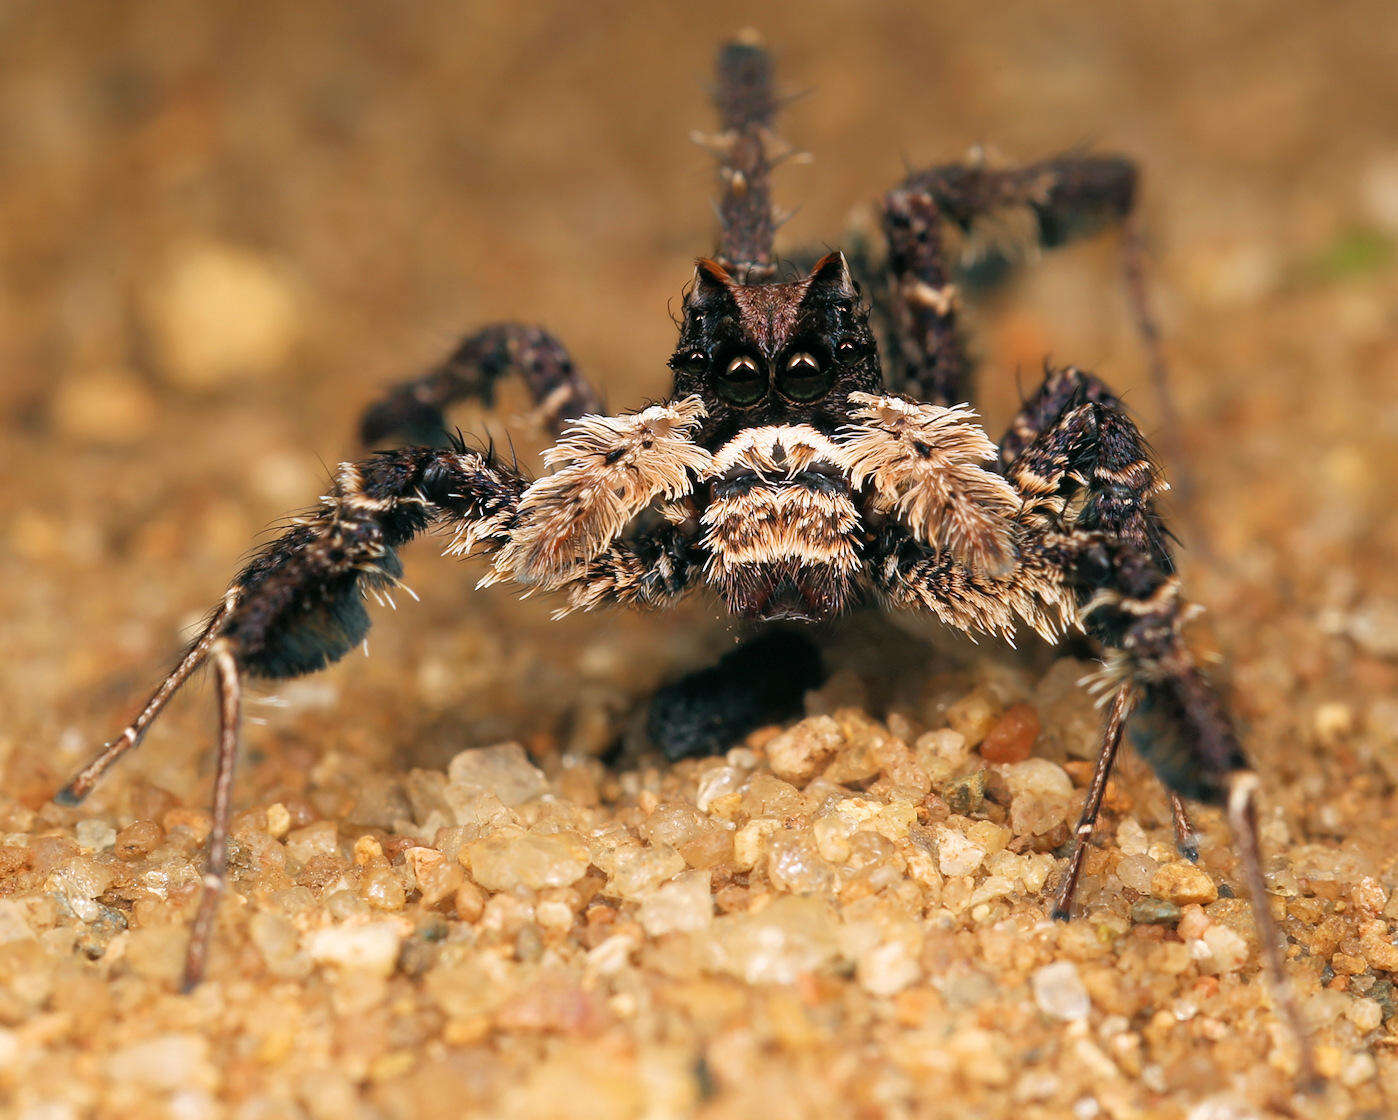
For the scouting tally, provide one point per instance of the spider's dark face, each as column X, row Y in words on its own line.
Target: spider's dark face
column 763, row 354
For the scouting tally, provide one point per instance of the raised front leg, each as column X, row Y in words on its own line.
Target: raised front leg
column 415, row 411
column 934, row 213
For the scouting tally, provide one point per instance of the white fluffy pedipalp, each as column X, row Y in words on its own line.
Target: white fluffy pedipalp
column 609, row 469
column 923, row 462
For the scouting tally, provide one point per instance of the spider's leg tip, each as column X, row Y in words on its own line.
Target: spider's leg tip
column 1061, row 913
column 68, row 796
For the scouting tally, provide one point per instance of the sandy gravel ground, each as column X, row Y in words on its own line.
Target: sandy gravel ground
column 223, row 227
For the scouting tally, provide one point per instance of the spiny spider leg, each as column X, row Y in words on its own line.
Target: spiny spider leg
column 1073, row 437
column 298, row 605
column 747, row 107
column 415, row 410
column 1066, row 197
column 1089, row 549
column 86, row 778
column 1114, row 553
column 216, row 869
column 1092, row 803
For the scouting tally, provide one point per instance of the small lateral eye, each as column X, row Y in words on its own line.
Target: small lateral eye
column 743, row 382
column 802, row 379
column 846, row 348
column 695, row 358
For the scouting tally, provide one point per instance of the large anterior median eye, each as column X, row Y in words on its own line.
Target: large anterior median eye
column 803, row 378
column 742, row 381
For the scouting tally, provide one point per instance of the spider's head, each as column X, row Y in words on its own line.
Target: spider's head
column 762, row 354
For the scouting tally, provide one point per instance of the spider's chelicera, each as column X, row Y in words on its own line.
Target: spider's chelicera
column 802, row 464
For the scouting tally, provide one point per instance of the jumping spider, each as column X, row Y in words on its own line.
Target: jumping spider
column 795, row 470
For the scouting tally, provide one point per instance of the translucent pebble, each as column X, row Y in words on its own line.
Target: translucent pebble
column 945, row 745
column 279, row 944
column 1037, row 776
column 776, row 945
column 973, row 716
column 164, row 1063
column 957, row 854
column 794, row 863
column 640, row 869
column 508, row 859
column 701, row 841
column 382, row 890
column 1227, row 950
column 1131, row 838
column 887, row 969
column 682, row 905
column 1059, row 992
column 319, row 839
column 1365, row 1014
column 1182, row 883
column 1137, row 872
column 371, row 947
column 1011, row 738
column 503, row 770
column 798, row 753
column 94, row 834
column 716, row 783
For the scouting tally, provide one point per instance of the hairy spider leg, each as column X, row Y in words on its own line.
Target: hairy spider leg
column 414, row 411
column 1074, row 436
column 1114, row 553
column 1092, row 803
column 747, row 107
column 1065, row 198
column 299, row 605
column 216, row 868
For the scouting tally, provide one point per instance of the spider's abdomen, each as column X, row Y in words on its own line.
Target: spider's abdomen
column 781, row 524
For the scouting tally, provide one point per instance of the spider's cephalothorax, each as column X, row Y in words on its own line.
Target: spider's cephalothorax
column 775, row 366
column 791, row 471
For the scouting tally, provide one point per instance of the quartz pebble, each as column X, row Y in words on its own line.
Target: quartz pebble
column 371, row 947
column 956, row 853
column 1182, row 883
column 503, row 771
column 682, row 905
column 776, row 945
column 798, row 753
column 507, row 859
column 1059, row 992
